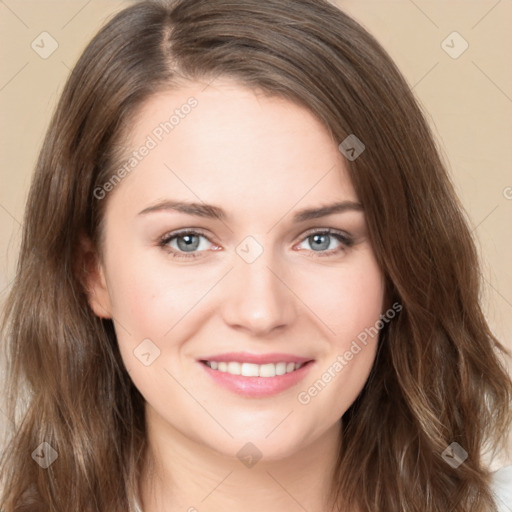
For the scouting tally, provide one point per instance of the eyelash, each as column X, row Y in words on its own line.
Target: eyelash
column 345, row 239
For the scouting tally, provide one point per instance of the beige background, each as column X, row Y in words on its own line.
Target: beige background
column 468, row 100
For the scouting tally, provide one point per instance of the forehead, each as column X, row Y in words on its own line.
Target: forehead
column 225, row 142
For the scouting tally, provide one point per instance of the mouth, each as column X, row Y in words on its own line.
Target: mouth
column 254, row 370
column 252, row 375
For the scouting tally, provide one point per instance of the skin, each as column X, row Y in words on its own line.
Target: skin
column 261, row 159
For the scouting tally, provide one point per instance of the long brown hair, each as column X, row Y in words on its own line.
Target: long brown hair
column 438, row 377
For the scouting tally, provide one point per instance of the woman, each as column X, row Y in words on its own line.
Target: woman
column 245, row 279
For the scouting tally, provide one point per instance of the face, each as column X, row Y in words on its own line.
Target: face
column 256, row 277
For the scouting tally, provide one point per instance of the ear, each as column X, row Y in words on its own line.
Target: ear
column 92, row 277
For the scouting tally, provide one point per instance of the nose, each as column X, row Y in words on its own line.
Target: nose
column 257, row 297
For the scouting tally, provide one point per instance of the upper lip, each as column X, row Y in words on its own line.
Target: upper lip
column 246, row 357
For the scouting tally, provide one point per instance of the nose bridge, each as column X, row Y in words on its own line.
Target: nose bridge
column 256, row 298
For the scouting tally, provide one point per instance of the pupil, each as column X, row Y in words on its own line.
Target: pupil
column 188, row 245
column 318, row 239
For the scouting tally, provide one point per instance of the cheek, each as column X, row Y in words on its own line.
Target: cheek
column 347, row 299
column 337, row 383
column 360, row 304
column 152, row 300
column 350, row 304
column 149, row 296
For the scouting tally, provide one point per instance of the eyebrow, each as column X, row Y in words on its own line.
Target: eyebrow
column 216, row 212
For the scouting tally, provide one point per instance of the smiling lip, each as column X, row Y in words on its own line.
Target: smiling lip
column 257, row 386
column 246, row 357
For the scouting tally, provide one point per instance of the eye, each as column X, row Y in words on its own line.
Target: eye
column 322, row 242
column 188, row 243
column 185, row 244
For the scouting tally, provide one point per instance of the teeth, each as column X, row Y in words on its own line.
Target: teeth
column 280, row 368
column 254, row 370
column 250, row 370
column 234, row 368
column 268, row 370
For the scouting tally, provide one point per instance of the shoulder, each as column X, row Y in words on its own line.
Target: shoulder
column 502, row 488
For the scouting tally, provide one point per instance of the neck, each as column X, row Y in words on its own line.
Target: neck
column 182, row 475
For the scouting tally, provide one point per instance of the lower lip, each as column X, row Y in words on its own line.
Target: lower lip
column 258, row 386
